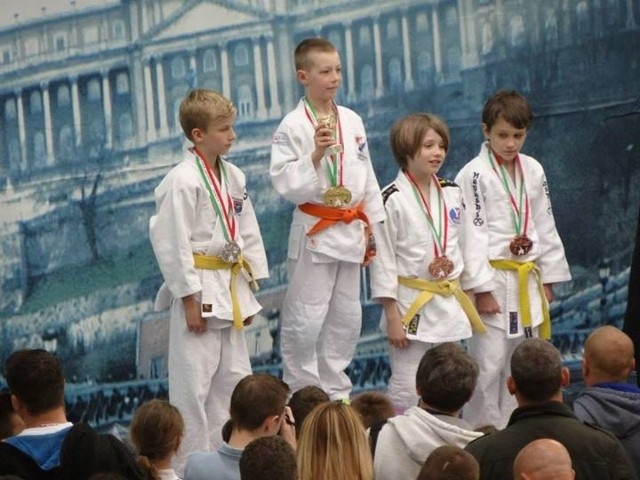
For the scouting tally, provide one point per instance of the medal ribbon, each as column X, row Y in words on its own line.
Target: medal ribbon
column 335, row 166
column 441, row 235
column 523, row 198
column 215, row 195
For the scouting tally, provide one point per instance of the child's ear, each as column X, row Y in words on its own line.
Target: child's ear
column 486, row 130
column 301, row 75
column 197, row 135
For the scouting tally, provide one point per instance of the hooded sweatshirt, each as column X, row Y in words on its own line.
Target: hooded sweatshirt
column 614, row 407
column 405, row 442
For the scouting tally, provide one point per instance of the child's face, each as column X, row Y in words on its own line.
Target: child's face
column 322, row 78
column 504, row 139
column 429, row 158
column 216, row 139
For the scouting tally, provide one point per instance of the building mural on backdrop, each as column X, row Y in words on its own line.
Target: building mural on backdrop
column 89, row 92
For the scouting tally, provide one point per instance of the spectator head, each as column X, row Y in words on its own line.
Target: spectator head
column 537, row 374
column 373, row 407
column 156, row 432
column 227, row 429
column 36, row 381
column 257, row 403
column 268, row 458
column 543, row 459
column 510, row 106
column 303, row 401
column 449, row 463
column 608, row 356
column 10, row 422
column 446, row 377
column 333, row 445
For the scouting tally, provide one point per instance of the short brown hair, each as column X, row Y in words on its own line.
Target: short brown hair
column 509, row 105
column 536, row 369
column 373, row 407
column 308, row 45
column 449, row 462
column 268, row 458
column 255, row 398
column 36, row 378
column 407, row 134
column 200, row 107
column 156, row 429
column 446, row 377
column 304, row 400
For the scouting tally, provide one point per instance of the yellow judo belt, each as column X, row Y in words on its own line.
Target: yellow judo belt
column 445, row 288
column 207, row 262
column 524, row 269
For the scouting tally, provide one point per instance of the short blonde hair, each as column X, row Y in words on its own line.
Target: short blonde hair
column 200, row 107
column 333, row 444
column 310, row 45
column 407, row 134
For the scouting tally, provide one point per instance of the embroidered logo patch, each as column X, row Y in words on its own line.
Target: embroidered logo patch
column 280, row 138
column 237, row 205
column 454, row 215
column 207, row 308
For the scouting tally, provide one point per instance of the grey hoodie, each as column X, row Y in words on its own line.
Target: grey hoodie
column 614, row 407
column 405, row 442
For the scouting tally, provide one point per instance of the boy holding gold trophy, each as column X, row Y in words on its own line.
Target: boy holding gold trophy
column 320, row 162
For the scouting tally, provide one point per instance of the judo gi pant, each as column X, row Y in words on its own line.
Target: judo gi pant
column 203, row 371
column 491, row 402
column 321, row 321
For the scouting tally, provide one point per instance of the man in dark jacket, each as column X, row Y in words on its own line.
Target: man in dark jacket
column 51, row 447
column 609, row 401
column 537, row 378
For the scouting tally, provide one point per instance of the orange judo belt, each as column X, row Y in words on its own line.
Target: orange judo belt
column 331, row 215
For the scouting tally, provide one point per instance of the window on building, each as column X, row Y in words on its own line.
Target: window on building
column 487, row 38
column 395, row 75
column 60, row 42
column 14, row 152
column 66, row 142
column 90, row 35
column 62, row 96
column 550, row 28
column 178, row 69
column 422, row 22
column 425, row 67
column 451, row 17
column 7, row 56
column 366, row 81
column 39, row 148
column 364, row 36
column 582, row 15
column 453, row 60
column 516, row 25
column 31, row 46
column 118, row 30
column 122, row 83
column 392, row 29
column 335, row 38
column 35, row 102
column 245, row 101
column 157, row 368
column 93, row 90
column 241, row 55
column 125, row 126
column 10, row 110
column 209, row 61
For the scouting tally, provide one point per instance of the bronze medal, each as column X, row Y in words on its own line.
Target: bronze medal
column 337, row 197
column 230, row 252
column 520, row 245
column 440, row 267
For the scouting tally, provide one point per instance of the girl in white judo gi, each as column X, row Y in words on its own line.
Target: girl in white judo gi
column 421, row 255
column 208, row 245
column 514, row 231
column 320, row 162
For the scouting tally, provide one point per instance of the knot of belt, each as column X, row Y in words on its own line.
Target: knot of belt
column 331, row 215
column 524, row 269
column 444, row 288
column 207, row 262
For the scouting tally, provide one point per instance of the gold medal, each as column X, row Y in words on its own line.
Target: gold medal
column 230, row 252
column 440, row 267
column 520, row 245
column 327, row 121
column 337, row 197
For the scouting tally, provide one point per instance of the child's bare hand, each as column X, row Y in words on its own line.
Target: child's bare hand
column 195, row 322
column 487, row 304
column 395, row 330
column 548, row 292
column 248, row 321
column 322, row 138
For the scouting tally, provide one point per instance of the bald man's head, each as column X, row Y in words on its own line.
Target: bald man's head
column 543, row 459
column 608, row 356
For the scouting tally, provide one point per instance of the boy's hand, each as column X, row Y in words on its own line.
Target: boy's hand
column 486, row 303
column 195, row 323
column 548, row 292
column 323, row 138
column 248, row 321
column 395, row 330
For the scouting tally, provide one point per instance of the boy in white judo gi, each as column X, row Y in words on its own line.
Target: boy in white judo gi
column 421, row 256
column 514, row 231
column 207, row 242
column 320, row 162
